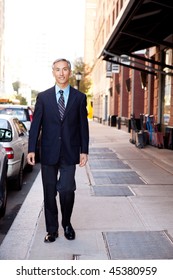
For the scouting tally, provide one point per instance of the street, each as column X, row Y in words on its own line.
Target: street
column 15, row 200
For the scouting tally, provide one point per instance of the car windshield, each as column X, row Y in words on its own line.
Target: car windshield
column 17, row 112
column 5, row 124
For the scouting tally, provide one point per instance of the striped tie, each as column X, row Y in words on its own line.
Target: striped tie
column 61, row 104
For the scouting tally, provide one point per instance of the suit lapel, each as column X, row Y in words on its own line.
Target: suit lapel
column 53, row 101
column 71, row 100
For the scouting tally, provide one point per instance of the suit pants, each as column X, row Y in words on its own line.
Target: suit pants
column 61, row 178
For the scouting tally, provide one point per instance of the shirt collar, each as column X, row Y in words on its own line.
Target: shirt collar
column 65, row 90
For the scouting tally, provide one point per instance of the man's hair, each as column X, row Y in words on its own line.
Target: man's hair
column 62, row 59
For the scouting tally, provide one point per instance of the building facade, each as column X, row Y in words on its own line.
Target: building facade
column 132, row 70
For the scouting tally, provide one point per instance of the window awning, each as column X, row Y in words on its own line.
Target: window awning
column 144, row 24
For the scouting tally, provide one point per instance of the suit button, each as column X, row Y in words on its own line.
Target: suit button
column 59, row 137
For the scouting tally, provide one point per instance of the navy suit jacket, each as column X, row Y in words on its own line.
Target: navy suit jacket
column 71, row 134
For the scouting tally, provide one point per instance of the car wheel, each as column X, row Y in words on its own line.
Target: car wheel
column 4, row 202
column 19, row 180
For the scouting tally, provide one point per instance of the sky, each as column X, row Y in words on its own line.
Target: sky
column 39, row 31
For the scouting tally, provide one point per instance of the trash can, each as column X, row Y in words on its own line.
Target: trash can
column 119, row 122
column 169, row 137
column 113, row 120
column 137, row 123
column 109, row 120
column 129, row 125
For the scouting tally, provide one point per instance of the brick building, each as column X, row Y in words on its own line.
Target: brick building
column 132, row 63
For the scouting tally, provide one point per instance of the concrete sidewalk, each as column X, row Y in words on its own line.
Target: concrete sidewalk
column 123, row 208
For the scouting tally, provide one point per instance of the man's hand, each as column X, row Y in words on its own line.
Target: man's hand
column 31, row 158
column 83, row 160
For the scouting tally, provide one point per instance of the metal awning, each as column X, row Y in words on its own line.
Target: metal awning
column 144, row 24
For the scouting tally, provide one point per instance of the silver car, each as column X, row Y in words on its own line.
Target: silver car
column 14, row 138
column 23, row 112
column 3, row 180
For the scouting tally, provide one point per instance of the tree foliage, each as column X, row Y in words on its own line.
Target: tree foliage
column 22, row 99
column 34, row 94
column 16, row 86
column 85, row 83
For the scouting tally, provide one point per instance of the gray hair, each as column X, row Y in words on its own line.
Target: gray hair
column 62, row 59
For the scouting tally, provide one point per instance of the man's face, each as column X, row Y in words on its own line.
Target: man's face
column 61, row 73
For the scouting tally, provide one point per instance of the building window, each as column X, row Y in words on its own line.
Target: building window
column 113, row 17
column 167, row 89
column 117, row 9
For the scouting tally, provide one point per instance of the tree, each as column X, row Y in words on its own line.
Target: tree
column 85, row 83
column 22, row 99
column 16, row 86
column 34, row 94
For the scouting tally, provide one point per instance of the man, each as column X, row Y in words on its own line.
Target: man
column 61, row 116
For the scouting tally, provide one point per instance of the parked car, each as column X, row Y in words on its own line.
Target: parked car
column 25, row 114
column 14, row 138
column 3, row 180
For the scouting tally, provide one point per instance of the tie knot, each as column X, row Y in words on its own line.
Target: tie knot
column 61, row 92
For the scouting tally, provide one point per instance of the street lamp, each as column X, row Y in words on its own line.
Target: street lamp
column 78, row 76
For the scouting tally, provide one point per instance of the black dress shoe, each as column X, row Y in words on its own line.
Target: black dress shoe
column 51, row 237
column 69, row 232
